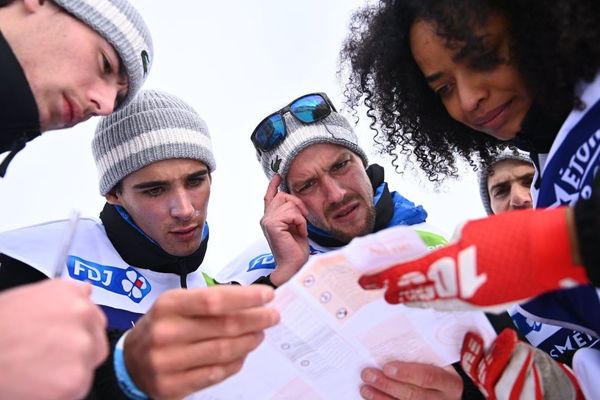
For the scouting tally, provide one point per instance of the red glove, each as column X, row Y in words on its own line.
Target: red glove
column 496, row 260
column 515, row 370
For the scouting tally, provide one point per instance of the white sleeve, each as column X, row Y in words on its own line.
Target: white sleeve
column 586, row 366
column 255, row 261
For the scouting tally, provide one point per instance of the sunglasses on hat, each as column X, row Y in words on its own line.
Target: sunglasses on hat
column 307, row 109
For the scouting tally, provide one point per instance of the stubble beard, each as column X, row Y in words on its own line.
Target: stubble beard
column 345, row 235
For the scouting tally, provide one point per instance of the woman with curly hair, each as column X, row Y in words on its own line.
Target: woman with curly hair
column 531, row 66
column 452, row 79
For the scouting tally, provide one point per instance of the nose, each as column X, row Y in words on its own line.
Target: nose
column 471, row 92
column 103, row 98
column 520, row 197
column 181, row 205
column 334, row 192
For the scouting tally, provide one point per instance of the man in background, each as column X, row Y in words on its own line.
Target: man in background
column 504, row 185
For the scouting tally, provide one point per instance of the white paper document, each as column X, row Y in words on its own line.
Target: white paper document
column 331, row 328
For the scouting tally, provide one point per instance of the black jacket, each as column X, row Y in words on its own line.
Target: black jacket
column 19, row 118
column 587, row 224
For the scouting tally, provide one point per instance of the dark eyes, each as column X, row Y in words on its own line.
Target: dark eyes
column 443, row 90
column 154, row 192
column 106, row 66
column 340, row 165
column 305, row 187
column 527, row 181
column 196, row 181
column 499, row 193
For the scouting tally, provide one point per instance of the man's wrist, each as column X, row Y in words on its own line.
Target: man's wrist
column 128, row 387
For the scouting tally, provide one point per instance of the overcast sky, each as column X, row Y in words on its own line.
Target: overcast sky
column 235, row 62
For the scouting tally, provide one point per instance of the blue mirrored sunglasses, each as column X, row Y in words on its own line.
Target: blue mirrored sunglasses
column 307, row 109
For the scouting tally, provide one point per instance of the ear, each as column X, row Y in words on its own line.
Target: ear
column 113, row 198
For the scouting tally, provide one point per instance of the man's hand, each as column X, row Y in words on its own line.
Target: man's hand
column 191, row 339
column 495, row 261
column 52, row 338
column 284, row 226
column 404, row 380
column 516, row 370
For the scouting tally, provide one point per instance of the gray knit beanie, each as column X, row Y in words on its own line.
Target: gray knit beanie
column 122, row 26
column 333, row 129
column 155, row 126
column 484, row 173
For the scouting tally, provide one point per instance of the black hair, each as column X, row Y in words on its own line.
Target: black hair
column 553, row 44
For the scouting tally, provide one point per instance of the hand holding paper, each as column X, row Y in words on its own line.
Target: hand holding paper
column 495, row 261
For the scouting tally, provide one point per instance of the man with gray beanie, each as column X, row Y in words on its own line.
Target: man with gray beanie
column 322, row 194
column 64, row 61
column 504, row 184
column 143, row 257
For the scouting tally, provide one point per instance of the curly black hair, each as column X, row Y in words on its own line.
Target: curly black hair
column 553, row 44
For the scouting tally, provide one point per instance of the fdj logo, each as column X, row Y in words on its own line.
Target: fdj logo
column 127, row 282
column 264, row 261
column 267, row 261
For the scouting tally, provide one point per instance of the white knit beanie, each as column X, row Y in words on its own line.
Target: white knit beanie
column 155, row 126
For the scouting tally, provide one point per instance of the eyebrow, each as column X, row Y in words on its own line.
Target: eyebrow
column 151, row 184
column 500, row 185
column 433, row 77
column 516, row 178
column 198, row 174
column 342, row 157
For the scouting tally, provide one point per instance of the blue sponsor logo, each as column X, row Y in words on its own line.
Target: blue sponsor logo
column 264, row 261
column 569, row 173
column 267, row 261
column 526, row 326
column 127, row 282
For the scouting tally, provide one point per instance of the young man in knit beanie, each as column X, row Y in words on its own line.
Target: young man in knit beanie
column 322, row 194
column 64, row 61
column 143, row 257
column 61, row 62
column 504, row 184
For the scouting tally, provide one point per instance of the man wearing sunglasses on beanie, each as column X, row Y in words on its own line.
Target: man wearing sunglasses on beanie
column 61, row 61
column 322, row 194
column 172, row 332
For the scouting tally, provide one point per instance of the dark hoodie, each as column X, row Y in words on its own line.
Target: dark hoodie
column 19, row 117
